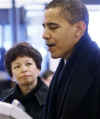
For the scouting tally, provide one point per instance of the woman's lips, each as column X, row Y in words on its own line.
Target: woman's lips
column 26, row 76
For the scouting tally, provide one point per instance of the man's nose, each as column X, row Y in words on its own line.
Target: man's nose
column 46, row 34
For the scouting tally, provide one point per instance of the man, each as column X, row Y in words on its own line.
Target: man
column 23, row 63
column 75, row 89
column 47, row 77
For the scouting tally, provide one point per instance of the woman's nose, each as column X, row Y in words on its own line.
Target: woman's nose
column 23, row 68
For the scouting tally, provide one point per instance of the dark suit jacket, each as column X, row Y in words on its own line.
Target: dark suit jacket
column 75, row 90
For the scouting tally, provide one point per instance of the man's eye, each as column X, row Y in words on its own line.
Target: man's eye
column 53, row 27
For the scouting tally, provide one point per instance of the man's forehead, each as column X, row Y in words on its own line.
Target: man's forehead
column 52, row 12
column 52, row 15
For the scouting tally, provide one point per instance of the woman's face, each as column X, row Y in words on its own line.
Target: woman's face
column 25, row 72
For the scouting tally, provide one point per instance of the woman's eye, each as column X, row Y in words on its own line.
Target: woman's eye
column 28, row 64
column 16, row 67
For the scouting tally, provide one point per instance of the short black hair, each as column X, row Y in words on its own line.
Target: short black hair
column 75, row 9
column 46, row 74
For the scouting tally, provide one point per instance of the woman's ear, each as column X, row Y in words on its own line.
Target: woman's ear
column 13, row 78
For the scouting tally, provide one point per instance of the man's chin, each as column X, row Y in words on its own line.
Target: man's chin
column 54, row 56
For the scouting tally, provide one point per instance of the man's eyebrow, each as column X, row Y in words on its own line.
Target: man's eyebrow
column 49, row 24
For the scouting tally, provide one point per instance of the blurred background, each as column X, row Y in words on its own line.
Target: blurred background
column 21, row 20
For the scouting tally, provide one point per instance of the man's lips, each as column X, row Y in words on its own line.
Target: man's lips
column 50, row 45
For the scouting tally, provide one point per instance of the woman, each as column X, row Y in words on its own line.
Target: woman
column 23, row 64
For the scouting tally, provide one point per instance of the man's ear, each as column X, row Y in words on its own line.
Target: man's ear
column 80, row 29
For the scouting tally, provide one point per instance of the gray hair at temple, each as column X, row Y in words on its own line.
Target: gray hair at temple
column 72, row 10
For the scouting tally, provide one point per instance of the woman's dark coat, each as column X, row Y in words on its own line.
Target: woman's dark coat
column 32, row 102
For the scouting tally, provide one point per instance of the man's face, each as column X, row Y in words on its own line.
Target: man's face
column 59, row 34
column 25, row 72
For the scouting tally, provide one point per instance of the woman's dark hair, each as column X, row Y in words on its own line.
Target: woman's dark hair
column 20, row 50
